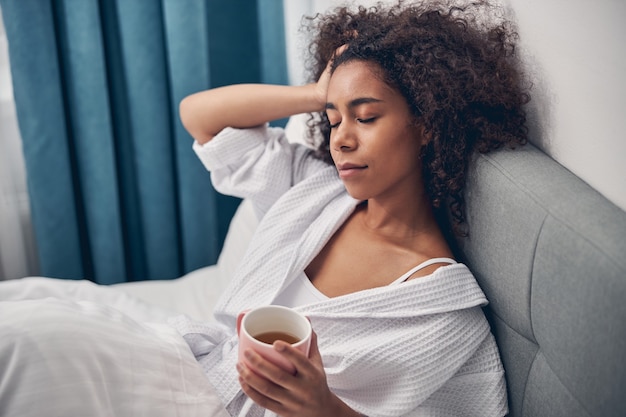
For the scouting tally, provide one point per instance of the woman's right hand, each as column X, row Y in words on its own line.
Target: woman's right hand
column 321, row 87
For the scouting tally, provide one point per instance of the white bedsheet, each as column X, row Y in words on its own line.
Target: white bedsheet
column 63, row 357
column 64, row 342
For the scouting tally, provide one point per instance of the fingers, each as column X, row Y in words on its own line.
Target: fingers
column 257, row 397
column 337, row 53
column 281, row 391
column 264, row 376
column 340, row 50
column 302, row 362
column 276, row 383
column 259, row 389
column 323, row 81
column 265, row 383
column 314, row 353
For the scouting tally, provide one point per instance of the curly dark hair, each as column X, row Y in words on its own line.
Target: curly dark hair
column 457, row 68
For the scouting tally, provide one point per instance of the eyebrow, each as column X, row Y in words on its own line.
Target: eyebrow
column 354, row 103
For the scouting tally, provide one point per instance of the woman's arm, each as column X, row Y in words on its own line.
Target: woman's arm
column 206, row 113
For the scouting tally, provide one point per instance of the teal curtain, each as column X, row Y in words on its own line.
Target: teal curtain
column 116, row 192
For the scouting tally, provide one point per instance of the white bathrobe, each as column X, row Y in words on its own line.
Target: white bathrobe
column 422, row 348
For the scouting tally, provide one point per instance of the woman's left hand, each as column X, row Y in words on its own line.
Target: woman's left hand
column 305, row 394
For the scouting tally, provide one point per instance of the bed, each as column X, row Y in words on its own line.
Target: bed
column 549, row 252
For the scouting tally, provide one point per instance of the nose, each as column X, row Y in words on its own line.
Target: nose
column 342, row 138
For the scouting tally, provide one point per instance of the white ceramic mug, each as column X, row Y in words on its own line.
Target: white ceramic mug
column 258, row 328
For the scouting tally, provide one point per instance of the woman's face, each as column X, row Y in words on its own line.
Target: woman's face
column 373, row 142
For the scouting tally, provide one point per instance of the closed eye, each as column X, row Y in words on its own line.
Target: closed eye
column 365, row 121
column 334, row 125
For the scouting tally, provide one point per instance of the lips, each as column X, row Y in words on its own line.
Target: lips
column 347, row 170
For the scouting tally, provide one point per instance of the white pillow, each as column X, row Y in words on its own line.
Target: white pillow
column 240, row 231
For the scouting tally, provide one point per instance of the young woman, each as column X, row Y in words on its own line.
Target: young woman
column 352, row 233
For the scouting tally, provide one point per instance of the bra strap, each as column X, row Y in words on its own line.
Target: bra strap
column 423, row 265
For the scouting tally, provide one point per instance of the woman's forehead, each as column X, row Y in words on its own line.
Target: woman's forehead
column 358, row 79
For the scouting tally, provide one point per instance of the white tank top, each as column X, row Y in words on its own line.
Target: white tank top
column 301, row 291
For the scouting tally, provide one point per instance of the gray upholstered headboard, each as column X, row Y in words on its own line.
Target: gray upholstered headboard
column 550, row 253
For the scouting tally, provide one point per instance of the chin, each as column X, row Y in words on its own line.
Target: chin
column 357, row 194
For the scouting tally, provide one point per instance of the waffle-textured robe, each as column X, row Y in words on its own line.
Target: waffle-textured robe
column 422, row 348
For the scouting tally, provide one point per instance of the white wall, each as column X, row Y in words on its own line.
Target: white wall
column 577, row 50
column 576, row 55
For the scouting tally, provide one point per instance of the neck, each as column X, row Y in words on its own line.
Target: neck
column 404, row 218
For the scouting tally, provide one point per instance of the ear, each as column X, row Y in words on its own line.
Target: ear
column 423, row 135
